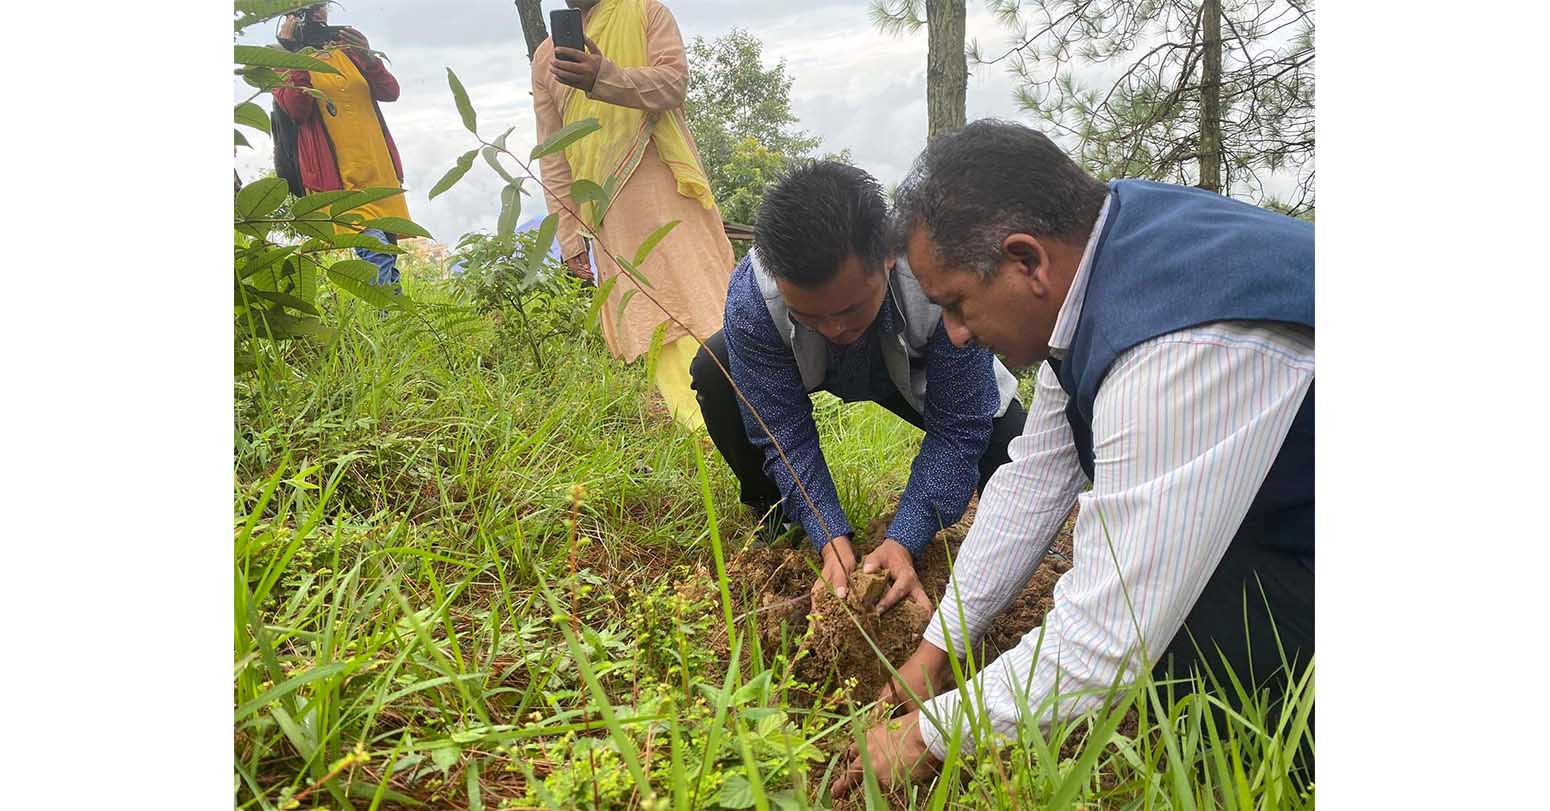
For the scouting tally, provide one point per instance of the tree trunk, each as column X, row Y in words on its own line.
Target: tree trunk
column 1211, row 98
column 532, row 16
column 947, row 69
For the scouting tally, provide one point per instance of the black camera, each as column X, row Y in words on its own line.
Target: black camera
column 315, row 34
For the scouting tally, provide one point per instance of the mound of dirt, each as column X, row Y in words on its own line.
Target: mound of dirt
column 776, row 584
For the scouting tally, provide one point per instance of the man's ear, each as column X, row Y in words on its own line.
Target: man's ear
column 1028, row 257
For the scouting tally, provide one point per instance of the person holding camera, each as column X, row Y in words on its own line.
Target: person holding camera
column 341, row 141
column 628, row 70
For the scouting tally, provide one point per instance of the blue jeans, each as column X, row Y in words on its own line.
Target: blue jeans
column 387, row 263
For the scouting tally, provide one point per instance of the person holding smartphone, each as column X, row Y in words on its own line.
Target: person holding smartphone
column 629, row 71
column 342, row 141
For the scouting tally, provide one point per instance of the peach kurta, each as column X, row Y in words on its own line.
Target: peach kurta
column 689, row 270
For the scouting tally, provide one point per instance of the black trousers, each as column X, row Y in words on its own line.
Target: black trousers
column 1231, row 625
column 724, row 423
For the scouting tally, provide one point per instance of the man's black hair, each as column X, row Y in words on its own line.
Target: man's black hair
column 971, row 188
column 817, row 214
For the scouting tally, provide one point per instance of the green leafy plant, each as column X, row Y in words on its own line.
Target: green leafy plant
column 534, row 298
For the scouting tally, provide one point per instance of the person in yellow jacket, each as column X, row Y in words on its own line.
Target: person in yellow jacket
column 633, row 78
column 342, row 141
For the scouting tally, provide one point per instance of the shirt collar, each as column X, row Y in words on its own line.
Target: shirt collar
column 1071, row 310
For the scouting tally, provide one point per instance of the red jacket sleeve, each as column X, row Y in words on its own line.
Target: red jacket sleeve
column 383, row 86
column 296, row 104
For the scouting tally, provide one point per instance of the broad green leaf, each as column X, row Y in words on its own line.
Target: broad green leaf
column 263, row 56
column 279, row 298
column 240, row 140
column 251, row 115
column 359, row 278
column 361, row 197
column 276, row 324
column 651, row 242
column 585, row 191
column 492, row 157
column 317, row 200
column 752, row 690
column 500, row 140
column 262, row 260
column 260, row 198
column 465, row 108
column 397, row 225
column 770, row 723
column 511, row 209
column 445, row 757
column 566, row 136
column 629, row 267
column 347, row 240
column 257, row 11
column 314, row 226
column 465, row 162
column 736, row 792
column 254, row 230
column 546, row 230
column 259, row 78
column 600, row 295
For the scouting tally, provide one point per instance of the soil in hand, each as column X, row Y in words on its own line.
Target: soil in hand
column 835, row 643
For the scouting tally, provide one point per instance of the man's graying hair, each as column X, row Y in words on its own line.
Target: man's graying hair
column 971, row 188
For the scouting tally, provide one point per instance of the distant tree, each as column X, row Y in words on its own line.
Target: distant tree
column 1217, row 93
column 740, row 114
column 947, row 71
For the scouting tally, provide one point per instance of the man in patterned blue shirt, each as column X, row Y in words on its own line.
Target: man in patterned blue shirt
column 822, row 303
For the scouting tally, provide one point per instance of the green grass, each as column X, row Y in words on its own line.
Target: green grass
column 429, row 613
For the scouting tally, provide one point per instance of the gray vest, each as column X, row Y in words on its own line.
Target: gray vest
column 915, row 311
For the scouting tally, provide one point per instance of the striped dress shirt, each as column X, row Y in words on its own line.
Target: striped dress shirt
column 1185, row 428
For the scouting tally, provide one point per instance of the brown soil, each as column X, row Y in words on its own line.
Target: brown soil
column 831, row 649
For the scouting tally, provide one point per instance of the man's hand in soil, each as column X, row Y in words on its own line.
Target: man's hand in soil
column 896, row 752
column 891, row 557
column 579, row 69
column 924, row 674
column 838, row 562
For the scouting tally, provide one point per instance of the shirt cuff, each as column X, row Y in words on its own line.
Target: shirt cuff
column 943, row 709
column 832, row 515
column 914, row 527
column 605, row 86
column 934, row 632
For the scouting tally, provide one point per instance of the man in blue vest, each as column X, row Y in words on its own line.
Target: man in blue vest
column 1173, row 330
column 821, row 304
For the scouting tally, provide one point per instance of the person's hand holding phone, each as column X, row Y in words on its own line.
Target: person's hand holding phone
column 575, row 68
column 353, row 38
column 580, row 267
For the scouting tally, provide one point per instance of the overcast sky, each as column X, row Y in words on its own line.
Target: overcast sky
column 853, row 87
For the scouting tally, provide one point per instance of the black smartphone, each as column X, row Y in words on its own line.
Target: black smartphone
column 565, row 30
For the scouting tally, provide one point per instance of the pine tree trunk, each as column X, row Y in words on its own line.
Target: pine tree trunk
column 1211, row 98
column 532, row 16
column 947, row 70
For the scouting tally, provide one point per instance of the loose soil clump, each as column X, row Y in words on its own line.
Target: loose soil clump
column 775, row 585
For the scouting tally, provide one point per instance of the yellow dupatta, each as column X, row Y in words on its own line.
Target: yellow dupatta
column 619, row 29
